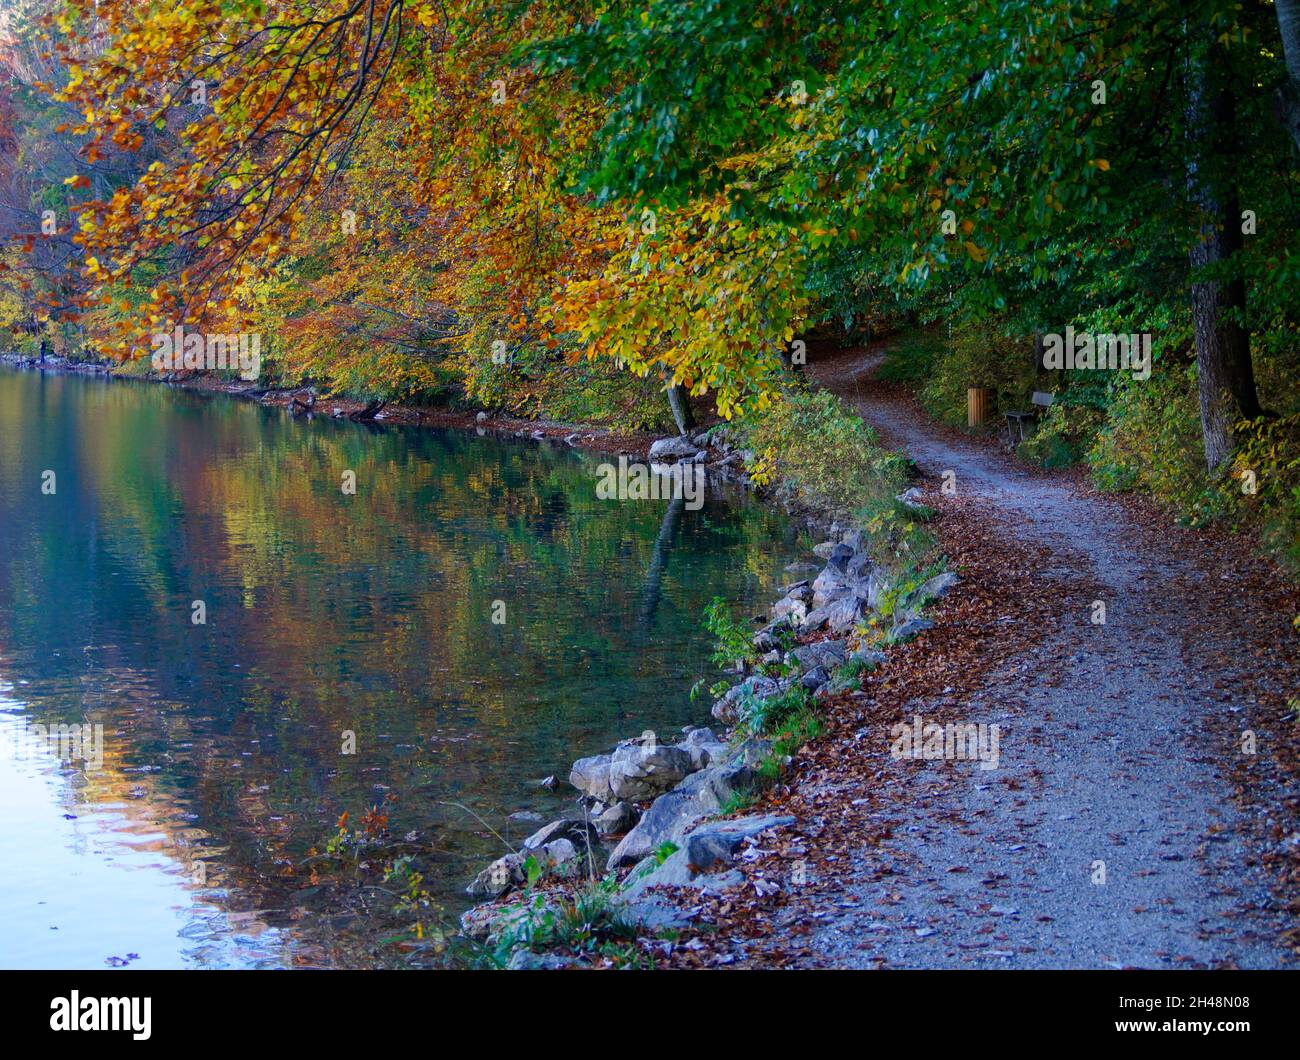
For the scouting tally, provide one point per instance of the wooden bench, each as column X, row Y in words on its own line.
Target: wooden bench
column 1017, row 419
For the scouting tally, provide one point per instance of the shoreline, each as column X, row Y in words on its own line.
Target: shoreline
column 722, row 464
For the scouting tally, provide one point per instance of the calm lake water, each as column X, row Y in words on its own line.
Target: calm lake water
column 325, row 614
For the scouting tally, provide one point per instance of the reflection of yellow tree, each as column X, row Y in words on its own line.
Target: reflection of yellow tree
column 329, row 612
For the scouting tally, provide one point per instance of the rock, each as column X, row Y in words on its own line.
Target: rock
column 671, row 814
column 868, row 658
column 676, row 871
column 591, row 777
column 619, row 819
column 701, row 440
column 703, row 747
column 839, row 558
column 814, row 679
column 502, row 876
column 725, row 709
column 831, row 584
column 824, row 550
column 652, row 914
column 715, row 844
column 814, row 620
column 911, row 628
column 845, row 613
column 524, row 816
column 559, row 853
column 801, row 568
column 855, row 540
column 528, row 961
column 932, row 589
column 666, row 448
column 549, row 782
column 575, row 830
column 827, row 654
column 793, row 606
column 481, row 417
column 639, row 772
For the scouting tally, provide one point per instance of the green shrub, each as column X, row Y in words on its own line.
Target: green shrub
column 1151, row 440
column 820, row 452
column 1063, row 436
column 978, row 355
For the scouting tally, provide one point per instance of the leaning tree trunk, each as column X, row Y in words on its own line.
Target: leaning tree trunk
column 1223, row 364
column 1288, row 21
column 679, row 402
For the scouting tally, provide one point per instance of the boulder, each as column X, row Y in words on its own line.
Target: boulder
column 703, row 747
column 868, row 658
column 814, row 679
column 672, row 448
column 844, row 614
column 591, row 777
column 580, row 833
column 619, row 819
column 671, row 814
column 911, row 627
column 639, row 772
column 824, row 550
column 502, row 876
column 715, row 844
column 675, row 871
column 831, row 584
column 826, row 653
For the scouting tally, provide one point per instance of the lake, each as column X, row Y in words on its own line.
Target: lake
column 468, row 622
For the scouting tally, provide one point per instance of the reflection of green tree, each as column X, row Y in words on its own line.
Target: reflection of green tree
column 330, row 612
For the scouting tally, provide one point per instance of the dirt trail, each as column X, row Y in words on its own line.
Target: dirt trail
column 1117, row 745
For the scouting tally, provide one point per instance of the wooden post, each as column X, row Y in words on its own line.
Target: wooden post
column 977, row 405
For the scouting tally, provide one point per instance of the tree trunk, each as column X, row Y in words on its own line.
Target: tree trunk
column 1288, row 21
column 1226, row 375
column 679, row 402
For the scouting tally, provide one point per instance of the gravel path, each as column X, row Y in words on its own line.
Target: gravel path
column 1116, row 746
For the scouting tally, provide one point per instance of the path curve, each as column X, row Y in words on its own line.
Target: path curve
column 1118, row 741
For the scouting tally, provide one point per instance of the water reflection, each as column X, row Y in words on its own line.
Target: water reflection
column 327, row 614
